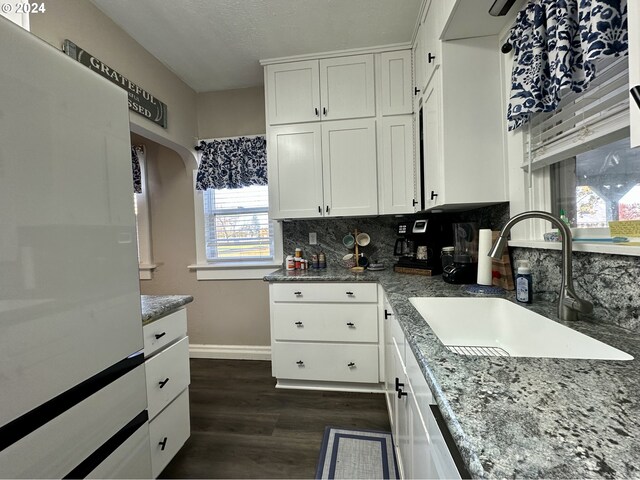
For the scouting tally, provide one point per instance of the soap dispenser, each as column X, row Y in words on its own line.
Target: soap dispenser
column 524, row 282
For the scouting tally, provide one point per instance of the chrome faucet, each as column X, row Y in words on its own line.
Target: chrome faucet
column 569, row 304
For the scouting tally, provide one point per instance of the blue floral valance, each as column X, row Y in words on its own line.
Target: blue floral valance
column 135, row 166
column 556, row 45
column 232, row 163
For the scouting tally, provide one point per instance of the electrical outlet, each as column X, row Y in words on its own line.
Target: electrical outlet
column 313, row 238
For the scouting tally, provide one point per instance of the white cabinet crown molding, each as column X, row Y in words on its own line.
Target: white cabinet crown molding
column 337, row 53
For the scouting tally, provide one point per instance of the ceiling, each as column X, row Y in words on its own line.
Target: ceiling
column 217, row 44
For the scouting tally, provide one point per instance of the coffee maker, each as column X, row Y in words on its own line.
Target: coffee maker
column 418, row 245
column 465, row 255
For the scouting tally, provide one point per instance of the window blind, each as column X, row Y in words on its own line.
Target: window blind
column 237, row 225
column 582, row 121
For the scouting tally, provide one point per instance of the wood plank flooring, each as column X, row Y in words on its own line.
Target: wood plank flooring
column 243, row 427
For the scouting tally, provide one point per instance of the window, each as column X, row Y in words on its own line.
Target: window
column 237, row 226
column 598, row 186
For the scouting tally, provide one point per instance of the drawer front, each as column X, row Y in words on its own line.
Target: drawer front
column 132, row 459
column 164, row 331
column 168, row 432
column 167, row 375
column 326, row 362
column 328, row 323
column 59, row 446
column 300, row 292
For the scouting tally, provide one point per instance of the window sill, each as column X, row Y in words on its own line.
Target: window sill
column 234, row 271
column 631, row 248
column 145, row 271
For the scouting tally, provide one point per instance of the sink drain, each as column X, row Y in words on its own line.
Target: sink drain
column 478, row 351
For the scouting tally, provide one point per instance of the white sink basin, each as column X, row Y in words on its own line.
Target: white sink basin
column 495, row 326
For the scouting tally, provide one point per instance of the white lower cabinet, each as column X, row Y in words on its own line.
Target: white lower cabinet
column 325, row 335
column 168, row 378
column 129, row 460
column 421, row 450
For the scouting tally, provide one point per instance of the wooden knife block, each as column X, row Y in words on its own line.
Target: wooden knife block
column 501, row 273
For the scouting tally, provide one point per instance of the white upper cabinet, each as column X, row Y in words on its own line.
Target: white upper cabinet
column 328, row 89
column 294, row 92
column 634, row 68
column 397, row 179
column 294, row 157
column 427, row 52
column 347, row 88
column 396, row 82
column 349, row 168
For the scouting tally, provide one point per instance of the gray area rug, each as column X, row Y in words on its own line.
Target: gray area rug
column 351, row 454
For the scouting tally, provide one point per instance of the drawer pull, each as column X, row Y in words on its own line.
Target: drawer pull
column 351, row 364
column 351, row 324
column 297, row 294
column 349, row 294
column 163, row 443
column 160, row 335
column 401, row 393
column 387, row 314
column 300, row 363
column 298, row 323
column 163, row 382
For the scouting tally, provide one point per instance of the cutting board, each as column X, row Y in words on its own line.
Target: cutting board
column 501, row 272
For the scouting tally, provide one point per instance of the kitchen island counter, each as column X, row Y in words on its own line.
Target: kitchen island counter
column 158, row 306
column 516, row 416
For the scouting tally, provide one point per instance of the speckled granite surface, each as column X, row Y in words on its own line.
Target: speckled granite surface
column 522, row 417
column 157, row 306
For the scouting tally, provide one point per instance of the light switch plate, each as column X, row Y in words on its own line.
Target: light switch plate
column 313, row 238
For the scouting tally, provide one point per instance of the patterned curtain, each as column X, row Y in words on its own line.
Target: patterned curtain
column 232, row 163
column 556, row 45
column 135, row 166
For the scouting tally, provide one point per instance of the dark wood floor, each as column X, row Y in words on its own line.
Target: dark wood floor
column 243, row 427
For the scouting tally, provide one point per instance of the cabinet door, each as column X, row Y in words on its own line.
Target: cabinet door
column 295, row 171
column 634, row 68
column 403, row 420
column 397, row 171
column 396, row 84
column 433, row 168
column 349, row 168
column 431, row 40
column 293, row 92
column 347, row 87
column 421, row 455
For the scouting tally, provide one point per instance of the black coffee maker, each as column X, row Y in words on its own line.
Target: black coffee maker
column 465, row 257
column 419, row 242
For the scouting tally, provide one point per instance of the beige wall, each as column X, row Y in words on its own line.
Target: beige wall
column 223, row 312
column 230, row 113
column 82, row 23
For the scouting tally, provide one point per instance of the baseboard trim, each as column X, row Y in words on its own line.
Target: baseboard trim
column 233, row 352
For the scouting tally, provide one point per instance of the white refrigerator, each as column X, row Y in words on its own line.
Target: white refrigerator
column 72, row 382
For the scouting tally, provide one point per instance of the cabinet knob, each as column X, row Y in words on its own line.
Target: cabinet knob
column 401, row 393
column 300, row 363
column 387, row 314
column 415, row 202
column 160, row 335
column 319, row 209
column 351, row 324
column 316, row 109
column 298, row 323
column 327, row 209
column 430, row 58
column 351, row 364
column 163, row 443
column 416, row 90
column 163, row 382
column 297, row 294
column 433, row 195
column 350, row 294
column 324, row 111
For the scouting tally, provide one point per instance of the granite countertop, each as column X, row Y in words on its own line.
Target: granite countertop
column 515, row 416
column 157, row 306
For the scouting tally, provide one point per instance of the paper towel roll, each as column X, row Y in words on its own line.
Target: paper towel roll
column 484, row 260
